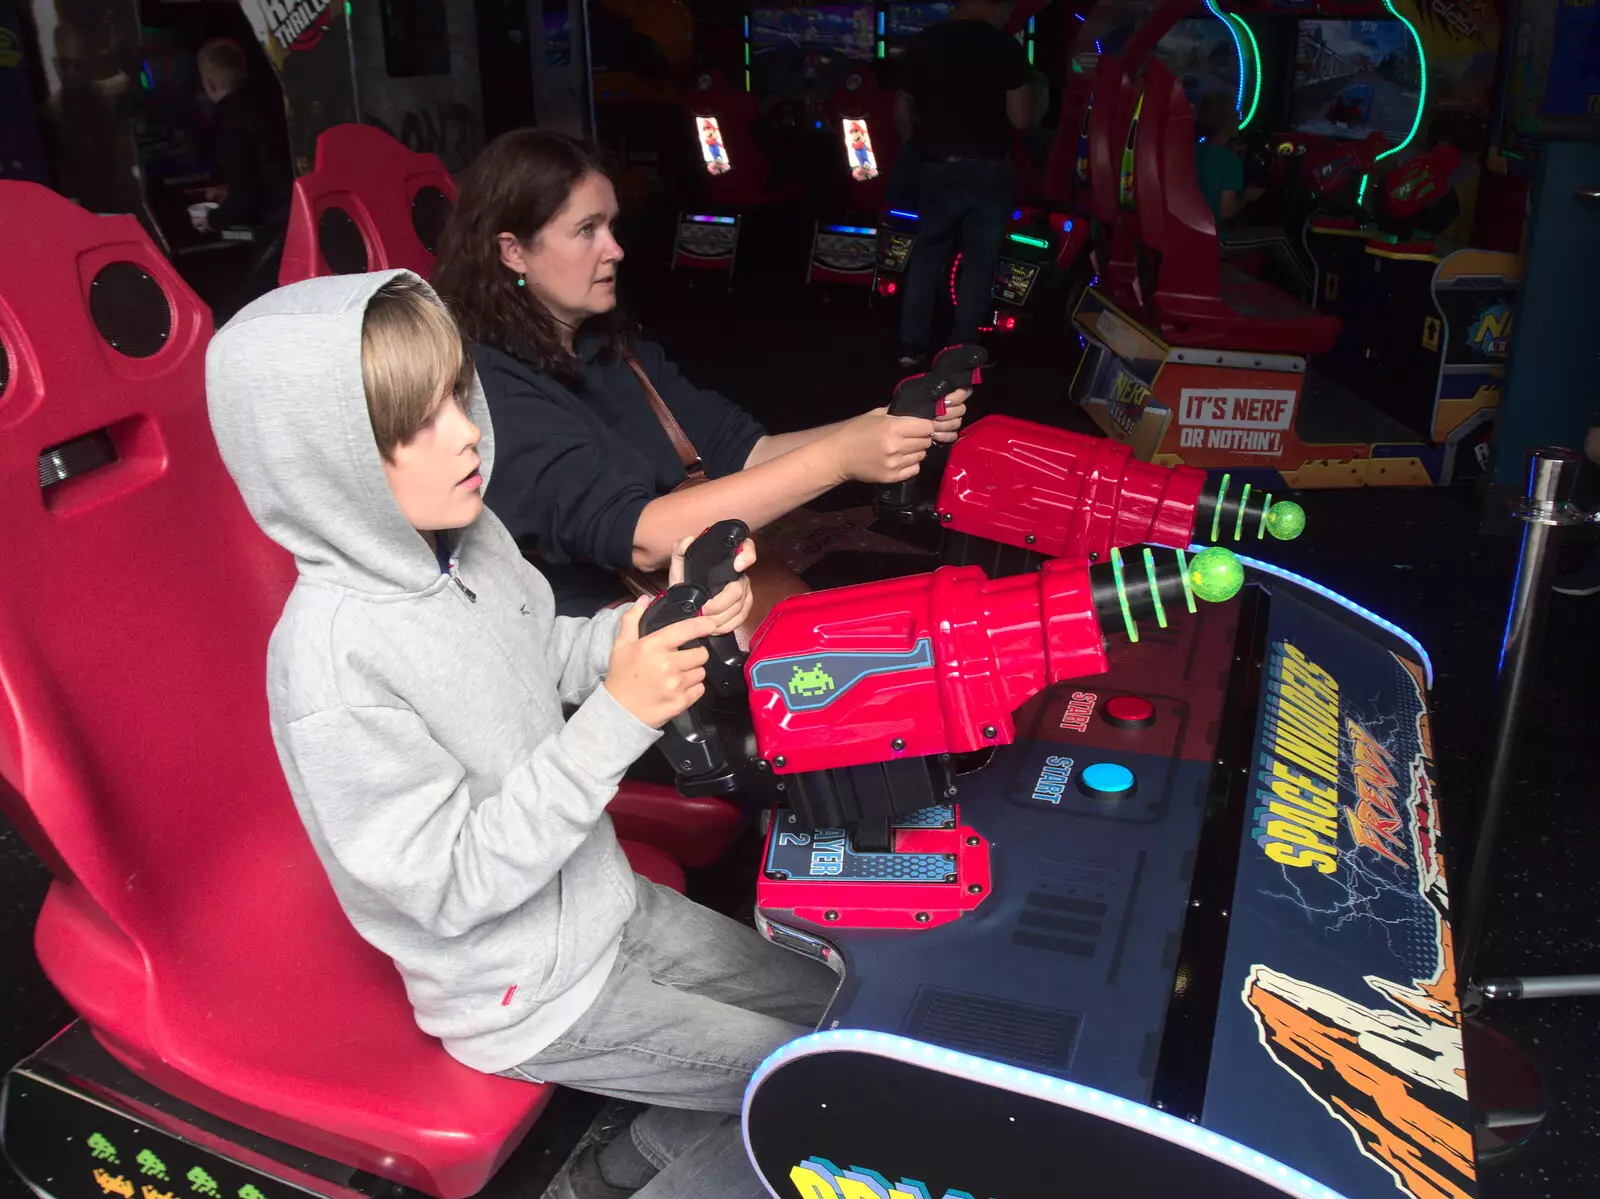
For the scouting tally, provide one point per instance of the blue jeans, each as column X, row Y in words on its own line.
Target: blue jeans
column 963, row 207
column 694, row 1004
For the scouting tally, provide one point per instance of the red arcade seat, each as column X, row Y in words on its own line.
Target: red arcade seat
column 1199, row 300
column 1112, row 102
column 189, row 922
column 370, row 204
column 1066, row 168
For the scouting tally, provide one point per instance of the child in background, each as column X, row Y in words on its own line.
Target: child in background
column 1220, row 173
column 416, row 680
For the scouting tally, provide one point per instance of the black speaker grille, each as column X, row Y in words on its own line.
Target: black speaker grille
column 339, row 238
column 76, row 457
column 998, row 1029
column 430, row 209
column 130, row 310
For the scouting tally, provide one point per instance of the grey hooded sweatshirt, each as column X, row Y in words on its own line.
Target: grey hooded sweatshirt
column 420, row 727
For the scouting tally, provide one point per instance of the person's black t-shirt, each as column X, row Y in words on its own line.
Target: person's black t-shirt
column 252, row 144
column 958, row 73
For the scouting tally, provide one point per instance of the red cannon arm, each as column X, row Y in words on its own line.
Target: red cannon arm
column 937, row 663
column 1064, row 494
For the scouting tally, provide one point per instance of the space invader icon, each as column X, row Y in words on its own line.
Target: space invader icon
column 203, row 1184
column 102, row 1148
column 811, row 683
column 150, row 1164
column 249, row 1191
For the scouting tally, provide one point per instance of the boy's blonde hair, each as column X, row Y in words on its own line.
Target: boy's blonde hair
column 411, row 351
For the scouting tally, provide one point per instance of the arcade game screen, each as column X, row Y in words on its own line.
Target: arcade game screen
column 807, row 49
column 1354, row 77
column 712, row 151
column 904, row 21
column 1200, row 51
column 858, row 150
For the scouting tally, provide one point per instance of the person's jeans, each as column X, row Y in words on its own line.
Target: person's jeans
column 962, row 206
column 694, row 1004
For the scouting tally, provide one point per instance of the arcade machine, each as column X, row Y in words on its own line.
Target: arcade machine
column 1043, row 240
column 1195, row 361
column 844, row 249
column 1102, row 869
column 1086, row 847
column 897, row 231
column 736, row 176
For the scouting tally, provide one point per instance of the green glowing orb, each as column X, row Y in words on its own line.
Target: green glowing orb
column 1286, row 520
column 1216, row 574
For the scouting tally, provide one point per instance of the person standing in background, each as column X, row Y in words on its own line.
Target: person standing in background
column 965, row 88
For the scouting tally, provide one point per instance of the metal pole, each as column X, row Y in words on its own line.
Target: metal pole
column 1552, row 471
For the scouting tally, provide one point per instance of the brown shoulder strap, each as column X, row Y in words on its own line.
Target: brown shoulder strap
column 687, row 454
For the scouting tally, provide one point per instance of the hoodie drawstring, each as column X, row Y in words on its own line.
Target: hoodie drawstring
column 455, row 577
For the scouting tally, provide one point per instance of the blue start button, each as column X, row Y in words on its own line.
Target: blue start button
column 1106, row 780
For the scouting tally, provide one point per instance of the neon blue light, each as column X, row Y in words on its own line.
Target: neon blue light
column 819, row 124
column 1097, row 48
column 1109, row 1107
column 747, row 27
column 909, row 216
column 1080, row 16
column 1238, row 54
column 880, row 24
column 1017, row 215
column 1349, row 604
column 714, row 220
column 865, row 230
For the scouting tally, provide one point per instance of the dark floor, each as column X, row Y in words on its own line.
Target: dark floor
column 1416, row 557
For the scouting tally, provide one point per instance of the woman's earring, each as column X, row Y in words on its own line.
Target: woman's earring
column 521, row 282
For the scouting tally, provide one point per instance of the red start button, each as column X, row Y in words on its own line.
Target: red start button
column 1129, row 712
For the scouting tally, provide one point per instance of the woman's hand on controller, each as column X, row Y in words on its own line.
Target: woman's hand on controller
column 948, row 427
column 731, row 606
column 654, row 677
column 878, row 448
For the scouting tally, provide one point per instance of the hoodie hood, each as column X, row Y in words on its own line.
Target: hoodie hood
column 289, row 412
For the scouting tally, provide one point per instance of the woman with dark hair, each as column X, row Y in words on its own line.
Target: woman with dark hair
column 586, row 465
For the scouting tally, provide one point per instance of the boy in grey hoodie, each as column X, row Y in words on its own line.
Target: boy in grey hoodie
column 416, row 680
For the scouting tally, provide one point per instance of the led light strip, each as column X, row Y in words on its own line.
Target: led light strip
column 1122, row 594
column 1124, row 1112
column 1238, row 54
column 1422, row 98
column 1155, row 586
column 1238, row 521
column 1188, row 588
column 1255, row 68
column 1329, row 593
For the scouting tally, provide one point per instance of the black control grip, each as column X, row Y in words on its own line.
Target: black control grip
column 921, row 395
column 708, row 564
column 690, row 742
column 961, row 364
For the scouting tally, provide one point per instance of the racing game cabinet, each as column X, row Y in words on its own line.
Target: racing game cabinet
column 860, row 119
column 735, row 176
column 235, row 1031
column 1197, row 299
